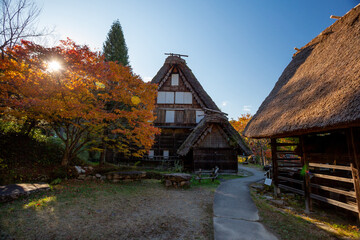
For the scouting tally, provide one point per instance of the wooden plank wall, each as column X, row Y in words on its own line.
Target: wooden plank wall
column 323, row 167
column 208, row 158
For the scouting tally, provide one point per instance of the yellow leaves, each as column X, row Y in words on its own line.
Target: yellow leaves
column 135, row 100
column 100, row 85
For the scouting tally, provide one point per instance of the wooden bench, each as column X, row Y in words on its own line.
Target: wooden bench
column 206, row 174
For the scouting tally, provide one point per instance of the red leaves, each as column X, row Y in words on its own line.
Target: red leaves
column 82, row 90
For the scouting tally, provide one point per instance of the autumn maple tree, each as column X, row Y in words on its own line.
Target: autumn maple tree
column 260, row 147
column 73, row 99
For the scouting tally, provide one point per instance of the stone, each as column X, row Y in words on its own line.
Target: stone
column 168, row 183
column 98, row 175
column 185, row 183
column 79, row 169
column 132, row 175
column 277, row 202
column 13, row 191
column 178, row 177
column 268, row 197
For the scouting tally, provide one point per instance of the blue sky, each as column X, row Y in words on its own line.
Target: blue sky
column 237, row 49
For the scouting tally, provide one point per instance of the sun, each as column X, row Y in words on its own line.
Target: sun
column 54, row 66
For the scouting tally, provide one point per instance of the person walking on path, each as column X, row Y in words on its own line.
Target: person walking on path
column 235, row 214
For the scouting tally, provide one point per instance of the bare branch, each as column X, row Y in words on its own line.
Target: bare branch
column 17, row 21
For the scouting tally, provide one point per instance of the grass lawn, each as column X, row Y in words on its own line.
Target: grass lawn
column 289, row 221
column 127, row 210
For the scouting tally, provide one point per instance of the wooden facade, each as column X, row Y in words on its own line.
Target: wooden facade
column 315, row 103
column 320, row 166
column 181, row 105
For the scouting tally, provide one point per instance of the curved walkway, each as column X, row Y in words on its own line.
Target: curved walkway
column 235, row 214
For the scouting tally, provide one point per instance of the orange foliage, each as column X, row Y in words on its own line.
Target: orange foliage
column 259, row 147
column 86, row 96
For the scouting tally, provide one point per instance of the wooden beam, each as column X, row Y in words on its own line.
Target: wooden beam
column 330, row 189
column 307, row 188
column 291, row 180
column 286, row 144
column 349, row 180
column 320, row 165
column 289, row 169
column 291, row 189
column 334, row 17
column 274, row 165
column 286, row 152
column 290, row 165
column 289, row 159
column 334, row 202
column 354, row 167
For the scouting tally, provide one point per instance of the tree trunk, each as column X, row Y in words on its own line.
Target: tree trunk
column 103, row 155
column 65, row 160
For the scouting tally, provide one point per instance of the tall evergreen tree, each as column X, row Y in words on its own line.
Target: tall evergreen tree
column 115, row 48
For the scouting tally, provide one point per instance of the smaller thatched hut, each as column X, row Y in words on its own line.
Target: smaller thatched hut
column 214, row 142
column 313, row 118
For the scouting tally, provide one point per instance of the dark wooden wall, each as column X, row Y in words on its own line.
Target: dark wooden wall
column 213, row 150
column 322, row 167
column 174, row 134
column 170, row 139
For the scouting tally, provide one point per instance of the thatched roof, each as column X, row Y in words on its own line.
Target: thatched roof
column 195, row 86
column 234, row 137
column 320, row 89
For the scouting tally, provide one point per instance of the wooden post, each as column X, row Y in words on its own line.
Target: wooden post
column 354, row 166
column 305, row 166
column 274, row 166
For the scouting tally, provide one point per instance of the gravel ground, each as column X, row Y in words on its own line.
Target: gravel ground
column 90, row 210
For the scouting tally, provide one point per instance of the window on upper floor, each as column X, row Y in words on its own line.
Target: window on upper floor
column 183, row 97
column 174, row 79
column 170, row 116
column 165, row 97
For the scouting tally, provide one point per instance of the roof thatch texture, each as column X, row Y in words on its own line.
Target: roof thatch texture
column 320, row 89
column 190, row 78
column 234, row 137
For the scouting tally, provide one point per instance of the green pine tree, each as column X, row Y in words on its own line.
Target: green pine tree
column 115, row 48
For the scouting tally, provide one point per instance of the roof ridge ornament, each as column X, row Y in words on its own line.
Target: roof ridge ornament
column 176, row 55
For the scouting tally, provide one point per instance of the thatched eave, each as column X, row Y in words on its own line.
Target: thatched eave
column 320, row 89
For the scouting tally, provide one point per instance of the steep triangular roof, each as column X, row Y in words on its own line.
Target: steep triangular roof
column 320, row 89
column 175, row 61
column 234, row 137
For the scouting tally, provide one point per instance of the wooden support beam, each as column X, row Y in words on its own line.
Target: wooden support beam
column 347, row 168
column 307, row 188
column 290, row 165
column 291, row 189
column 286, row 144
column 330, row 189
column 354, row 167
column 274, row 165
column 285, row 152
column 342, row 179
column 291, row 180
column 336, row 203
column 288, row 159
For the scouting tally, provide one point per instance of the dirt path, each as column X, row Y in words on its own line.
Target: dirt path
column 145, row 210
